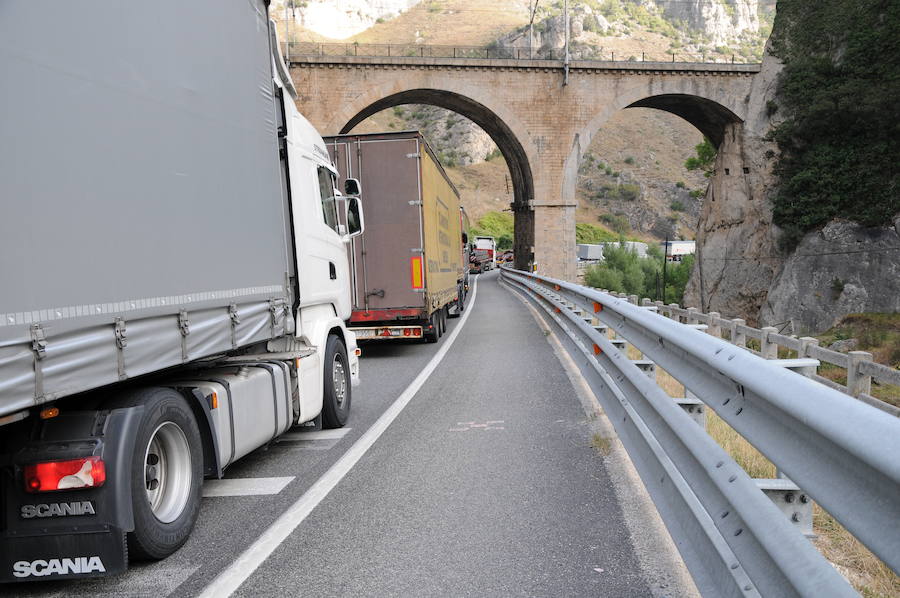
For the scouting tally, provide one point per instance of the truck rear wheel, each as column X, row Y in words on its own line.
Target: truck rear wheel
column 167, row 474
column 431, row 334
column 336, row 396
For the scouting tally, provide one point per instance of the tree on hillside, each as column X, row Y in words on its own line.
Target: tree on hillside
column 838, row 96
column 623, row 271
column 705, row 158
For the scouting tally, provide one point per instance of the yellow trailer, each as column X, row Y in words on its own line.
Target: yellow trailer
column 407, row 267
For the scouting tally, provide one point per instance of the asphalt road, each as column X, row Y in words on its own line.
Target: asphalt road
column 486, row 484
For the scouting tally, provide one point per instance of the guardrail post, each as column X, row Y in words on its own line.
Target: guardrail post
column 633, row 299
column 805, row 343
column 660, row 306
column 858, row 383
column 674, row 314
column 738, row 337
column 714, row 328
column 692, row 315
column 767, row 349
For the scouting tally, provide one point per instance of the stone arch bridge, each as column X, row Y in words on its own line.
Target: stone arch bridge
column 541, row 120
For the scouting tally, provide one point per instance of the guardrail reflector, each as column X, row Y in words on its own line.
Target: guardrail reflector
column 597, row 307
column 418, row 278
column 597, row 349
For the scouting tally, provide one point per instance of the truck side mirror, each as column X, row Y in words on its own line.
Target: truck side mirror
column 354, row 216
column 351, row 187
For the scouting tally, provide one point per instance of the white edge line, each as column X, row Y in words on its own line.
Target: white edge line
column 229, row 580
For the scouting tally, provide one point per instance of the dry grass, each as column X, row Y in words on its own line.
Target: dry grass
column 601, row 444
column 750, row 459
column 871, row 577
column 448, row 22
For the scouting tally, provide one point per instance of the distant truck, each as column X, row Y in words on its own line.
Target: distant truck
column 407, row 269
column 174, row 277
column 486, row 251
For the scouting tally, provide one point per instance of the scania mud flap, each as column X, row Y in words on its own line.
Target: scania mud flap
column 69, row 533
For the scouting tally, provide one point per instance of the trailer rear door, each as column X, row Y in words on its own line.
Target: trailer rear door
column 386, row 260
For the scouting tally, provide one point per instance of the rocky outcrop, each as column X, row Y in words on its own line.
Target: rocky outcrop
column 340, row 19
column 842, row 269
column 720, row 21
column 457, row 139
column 737, row 249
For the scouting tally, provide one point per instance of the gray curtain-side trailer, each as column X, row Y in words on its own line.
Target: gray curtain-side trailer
column 159, row 194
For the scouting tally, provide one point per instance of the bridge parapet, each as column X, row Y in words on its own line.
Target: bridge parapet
column 498, row 56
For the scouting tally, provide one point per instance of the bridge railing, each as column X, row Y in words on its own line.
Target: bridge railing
column 734, row 537
column 859, row 369
column 297, row 50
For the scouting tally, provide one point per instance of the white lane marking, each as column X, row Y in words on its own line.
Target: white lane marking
column 317, row 435
column 245, row 486
column 243, row 567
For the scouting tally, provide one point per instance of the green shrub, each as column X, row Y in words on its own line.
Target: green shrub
column 681, row 185
column 499, row 225
column 629, row 160
column 617, row 222
column 677, row 206
column 705, row 158
column 629, row 191
column 588, row 233
column 623, row 271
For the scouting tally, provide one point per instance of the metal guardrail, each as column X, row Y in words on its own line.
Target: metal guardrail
column 734, row 539
column 861, row 371
column 298, row 49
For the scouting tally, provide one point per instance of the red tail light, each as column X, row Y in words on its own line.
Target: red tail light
column 87, row 472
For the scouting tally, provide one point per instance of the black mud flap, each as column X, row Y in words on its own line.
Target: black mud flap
column 70, row 533
column 44, row 558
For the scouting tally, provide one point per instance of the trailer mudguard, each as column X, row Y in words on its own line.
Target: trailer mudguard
column 70, row 533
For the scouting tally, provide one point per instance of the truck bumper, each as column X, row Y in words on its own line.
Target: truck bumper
column 387, row 333
column 353, row 354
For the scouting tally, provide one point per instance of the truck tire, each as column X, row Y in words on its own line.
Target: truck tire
column 336, row 396
column 444, row 320
column 432, row 336
column 460, row 302
column 167, row 473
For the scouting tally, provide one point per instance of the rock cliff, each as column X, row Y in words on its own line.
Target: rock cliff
column 737, row 249
column 340, row 19
column 719, row 20
column 842, row 269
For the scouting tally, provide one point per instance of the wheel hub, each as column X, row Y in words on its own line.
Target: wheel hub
column 339, row 380
column 167, row 472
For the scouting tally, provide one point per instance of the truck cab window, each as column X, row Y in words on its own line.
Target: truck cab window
column 326, row 193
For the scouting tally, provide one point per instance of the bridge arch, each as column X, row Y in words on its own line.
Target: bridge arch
column 501, row 126
column 701, row 103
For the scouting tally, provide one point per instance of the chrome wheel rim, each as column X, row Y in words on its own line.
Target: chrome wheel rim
column 167, row 472
column 339, row 379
